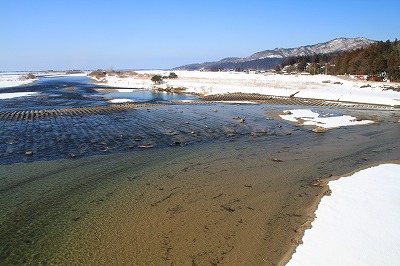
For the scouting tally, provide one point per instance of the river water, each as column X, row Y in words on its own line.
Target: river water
column 221, row 183
column 83, row 135
column 76, row 91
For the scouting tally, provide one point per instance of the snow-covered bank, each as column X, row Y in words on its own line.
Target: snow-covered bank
column 129, row 82
column 60, row 74
column 15, row 95
column 306, row 86
column 359, row 224
column 14, row 79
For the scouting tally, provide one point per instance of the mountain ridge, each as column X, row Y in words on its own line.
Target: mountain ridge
column 269, row 58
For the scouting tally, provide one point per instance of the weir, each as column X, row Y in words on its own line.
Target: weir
column 26, row 115
column 13, row 116
column 282, row 100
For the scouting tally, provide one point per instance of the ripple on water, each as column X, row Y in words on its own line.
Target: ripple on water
column 159, row 126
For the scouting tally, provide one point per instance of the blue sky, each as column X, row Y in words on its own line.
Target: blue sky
column 92, row 34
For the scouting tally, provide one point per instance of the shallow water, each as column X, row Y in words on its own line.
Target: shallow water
column 76, row 91
column 159, row 127
column 53, row 93
column 91, row 210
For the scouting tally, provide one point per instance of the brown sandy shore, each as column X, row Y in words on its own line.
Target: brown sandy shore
column 245, row 202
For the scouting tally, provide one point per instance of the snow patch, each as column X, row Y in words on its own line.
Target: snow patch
column 125, row 90
column 359, row 224
column 311, row 118
column 15, row 95
column 14, row 79
column 120, row 100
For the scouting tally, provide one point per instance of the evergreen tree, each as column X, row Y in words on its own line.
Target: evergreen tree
column 371, row 60
column 157, row 79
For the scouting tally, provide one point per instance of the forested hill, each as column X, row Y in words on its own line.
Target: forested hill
column 372, row 60
column 268, row 59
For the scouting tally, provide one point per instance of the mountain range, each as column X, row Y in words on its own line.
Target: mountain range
column 268, row 59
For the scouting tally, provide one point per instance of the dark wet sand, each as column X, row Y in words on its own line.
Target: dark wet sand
column 244, row 202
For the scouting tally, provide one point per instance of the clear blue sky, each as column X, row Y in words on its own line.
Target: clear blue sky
column 92, row 34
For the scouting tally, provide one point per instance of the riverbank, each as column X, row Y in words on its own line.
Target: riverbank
column 235, row 202
column 358, row 223
column 325, row 87
column 13, row 79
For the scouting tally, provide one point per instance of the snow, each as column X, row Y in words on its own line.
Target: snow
column 311, row 118
column 15, row 95
column 60, row 74
column 125, row 90
column 307, row 86
column 299, row 113
column 129, row 82
column 14, row 79
column 120, row 100
column 359, row 224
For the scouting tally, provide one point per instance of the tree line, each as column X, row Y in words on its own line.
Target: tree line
column 379, row 60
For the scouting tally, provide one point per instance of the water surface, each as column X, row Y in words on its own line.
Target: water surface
column 76, row 91
column 182, row 184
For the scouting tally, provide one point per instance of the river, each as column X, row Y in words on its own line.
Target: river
column 167, row 184
column 76, row 91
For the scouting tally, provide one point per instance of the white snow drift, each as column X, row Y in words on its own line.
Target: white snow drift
column 359, row 224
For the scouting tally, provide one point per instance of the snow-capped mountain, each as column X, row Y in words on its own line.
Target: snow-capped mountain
column 336, row 45
column 270, row 58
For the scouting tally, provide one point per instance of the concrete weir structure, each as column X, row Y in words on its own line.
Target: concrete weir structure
column 227, row 98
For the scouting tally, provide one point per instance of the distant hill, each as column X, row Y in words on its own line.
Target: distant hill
column 378, row 61
column 268, row 59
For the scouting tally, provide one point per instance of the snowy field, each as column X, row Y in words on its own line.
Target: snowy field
column 358, row 224
column 14, row 79
column 15, row 94
column 306, row 86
